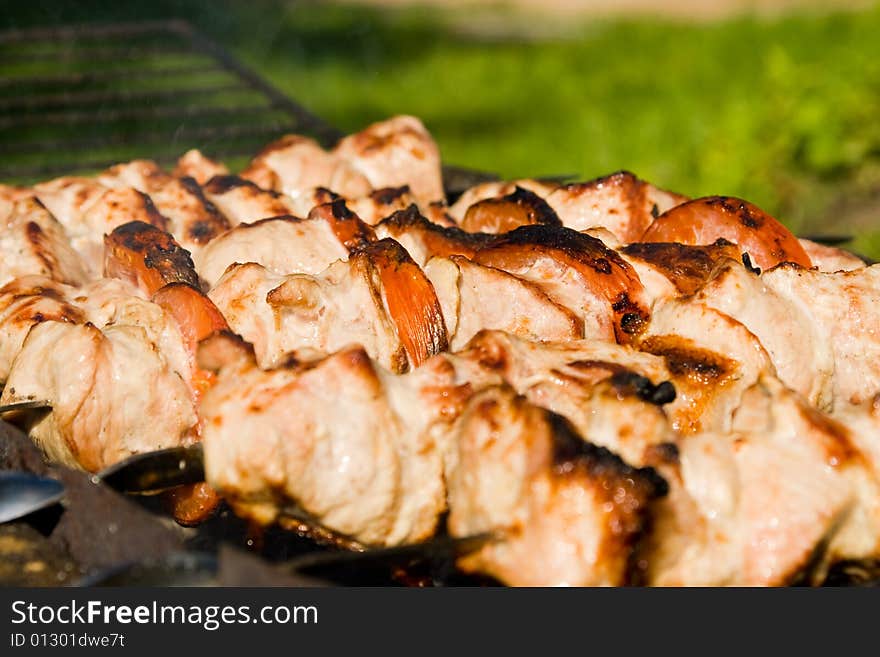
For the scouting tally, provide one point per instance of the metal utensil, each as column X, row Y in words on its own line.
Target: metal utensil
column 441, row 548
column 152, row 472
column 22, row 493
column 19, row 406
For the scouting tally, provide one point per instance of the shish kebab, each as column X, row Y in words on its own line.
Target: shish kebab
column 612, row 322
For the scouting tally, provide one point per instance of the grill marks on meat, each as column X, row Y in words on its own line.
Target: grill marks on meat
column 686, row 267
column 32, row 242
column 704, row 220
column 147, row 257
column 567, row 512
column 500, row 215
column 570, row 513
column 577, row 271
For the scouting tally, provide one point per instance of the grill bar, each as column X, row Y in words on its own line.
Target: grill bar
column 151, row 90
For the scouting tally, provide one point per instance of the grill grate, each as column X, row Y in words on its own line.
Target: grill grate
column 76, row 99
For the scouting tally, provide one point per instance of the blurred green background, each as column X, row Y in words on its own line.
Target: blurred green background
column 783, row 110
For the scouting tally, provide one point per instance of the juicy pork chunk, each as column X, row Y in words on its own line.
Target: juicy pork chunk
column 811, row 324
column 89, row 210
column 287, row 245
column 117, row 387
column 500, row 215
column 396, row 152
column 295, row 165
column 607, row 391
column 192, row 218
column 620, row 203
column 32, row 242
column 830, row 259
column 241, row 201
column 780, row 497
column 496, row 190
column 193, row 164
column 578, row 272
column 276, row 442
column 378, row 298
column 565, row 512
column 705, row 220
column 475, row 297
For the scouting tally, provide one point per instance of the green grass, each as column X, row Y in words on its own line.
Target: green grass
column 784, row 112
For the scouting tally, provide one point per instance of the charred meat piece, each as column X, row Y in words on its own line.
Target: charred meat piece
column 496, row 190
column 287, row 245
column 670, row 269
column 569, row 513
column 704, row 220
column 611, row 393
column 423, row 239
column 778, row 499
column 620, row 203
column 500, row 215
column 295, row 165
column 114, row 391
column 578, row 272
column 242, row 201
column 89, row 211
column 147, row 257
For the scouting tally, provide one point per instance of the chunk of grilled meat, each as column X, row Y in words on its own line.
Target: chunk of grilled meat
column 566, row 512
column 295, row 165
column 396, row 152
column 829, row 258
column 424, row 239
column 242, row 201
column 474, row 297
column 89, row 210
column 32, row 242
column 704, row 220
column 275, row 439
column 570, row 513
column 115, row 390
column 780, row 497
column 192, row 218
column 378, row 298
column 613, row 394
column 496, row 190
column 620, row 203
column 288, row 245
column 147, row 257
column 500, row 215
column 193, row 164
column 577, row 271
